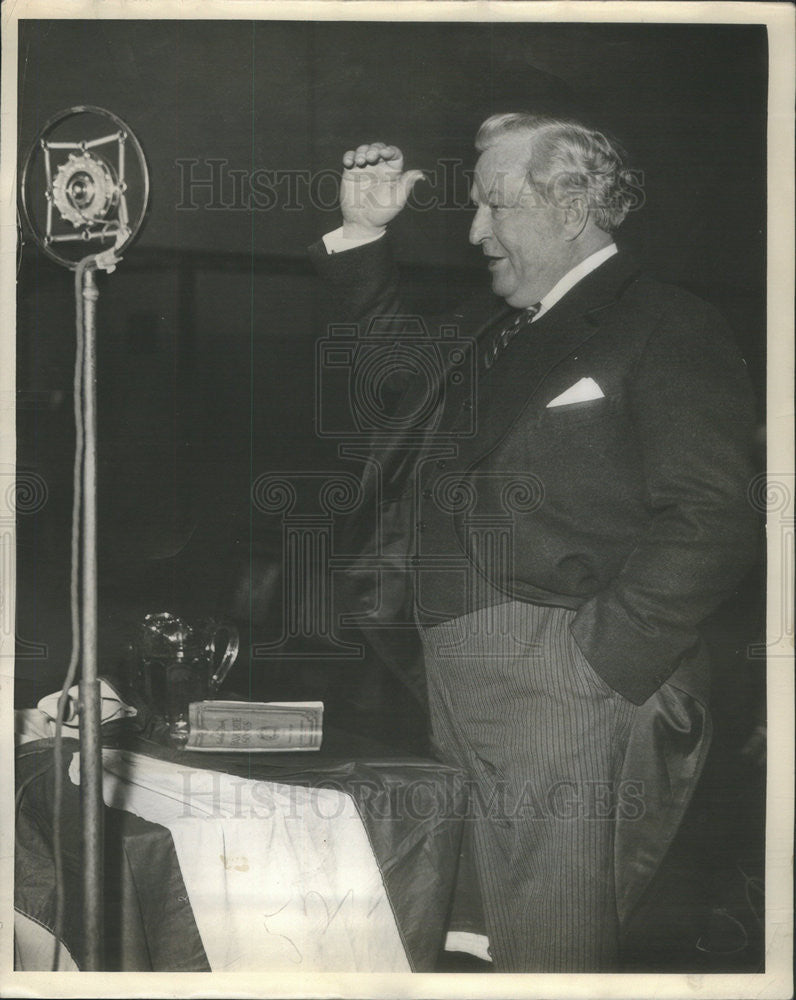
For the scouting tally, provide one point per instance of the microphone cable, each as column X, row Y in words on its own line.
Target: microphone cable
column 64, row 699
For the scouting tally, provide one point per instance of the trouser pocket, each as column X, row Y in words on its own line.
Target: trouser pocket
column 581, row 663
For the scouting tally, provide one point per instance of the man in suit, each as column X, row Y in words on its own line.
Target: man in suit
column 557, row 528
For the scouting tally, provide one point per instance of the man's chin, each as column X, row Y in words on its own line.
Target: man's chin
column 502, row 288
column 511, row 297
column 508, row 291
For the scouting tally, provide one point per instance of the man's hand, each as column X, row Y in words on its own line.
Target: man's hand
column 374, row 188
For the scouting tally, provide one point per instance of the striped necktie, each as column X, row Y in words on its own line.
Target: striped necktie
column 500, row 341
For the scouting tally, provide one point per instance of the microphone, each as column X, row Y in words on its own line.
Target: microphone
column 84, row 194
column 85, row 186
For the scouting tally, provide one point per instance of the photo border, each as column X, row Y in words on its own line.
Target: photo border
column 776, row 982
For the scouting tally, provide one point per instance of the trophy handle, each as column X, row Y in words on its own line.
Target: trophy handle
column 230, row 653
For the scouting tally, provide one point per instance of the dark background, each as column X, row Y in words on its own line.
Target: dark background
column 207, row 330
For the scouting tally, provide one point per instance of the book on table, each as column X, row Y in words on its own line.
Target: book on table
column 250, row 726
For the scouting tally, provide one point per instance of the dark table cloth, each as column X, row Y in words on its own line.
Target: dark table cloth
column 412, row 810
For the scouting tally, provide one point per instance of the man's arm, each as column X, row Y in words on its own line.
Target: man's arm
column 692, row 404
column 374, row 189
column 364, row 281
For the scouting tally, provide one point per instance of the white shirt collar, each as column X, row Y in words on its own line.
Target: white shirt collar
column 571, row 278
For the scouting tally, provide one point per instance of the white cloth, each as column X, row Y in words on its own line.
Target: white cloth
column 280, row 877
column 32, row 724
column 582, row 391
column 39, row 723
column 469, row 943
column 335, row 242
column 111, row 705
column 34, row 947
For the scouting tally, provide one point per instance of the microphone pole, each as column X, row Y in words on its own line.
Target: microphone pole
column 87, row 197
column 90, row 715
column 90, row 700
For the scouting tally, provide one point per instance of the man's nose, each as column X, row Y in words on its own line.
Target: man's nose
column 480, row 227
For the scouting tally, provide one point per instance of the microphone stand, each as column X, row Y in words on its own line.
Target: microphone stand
column 85, row 190
column 90, row 715
column 91, row 801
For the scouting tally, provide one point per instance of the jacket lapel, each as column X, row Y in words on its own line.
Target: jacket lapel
column 518, row 376
column 514, row 380
column 391, row 454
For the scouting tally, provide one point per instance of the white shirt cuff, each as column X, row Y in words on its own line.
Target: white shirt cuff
column 335, row 242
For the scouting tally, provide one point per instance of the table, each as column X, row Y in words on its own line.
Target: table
column 412, row 811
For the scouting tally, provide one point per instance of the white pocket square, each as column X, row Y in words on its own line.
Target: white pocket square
column 580, row 392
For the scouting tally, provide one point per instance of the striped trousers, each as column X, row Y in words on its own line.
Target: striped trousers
column 542, row 737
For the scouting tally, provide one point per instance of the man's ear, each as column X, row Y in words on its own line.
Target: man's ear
column 575, row 216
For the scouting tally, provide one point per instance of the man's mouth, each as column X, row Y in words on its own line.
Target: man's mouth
column 492, row 260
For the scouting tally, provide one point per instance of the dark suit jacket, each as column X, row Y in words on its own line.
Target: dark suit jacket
column 640, row 519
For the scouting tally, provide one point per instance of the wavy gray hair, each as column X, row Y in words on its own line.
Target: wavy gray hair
column 566, row 159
